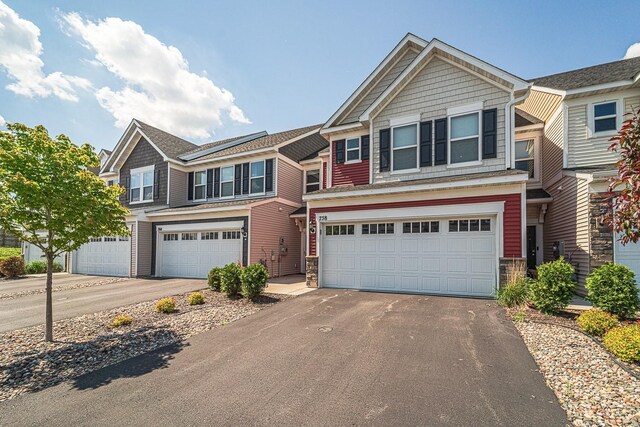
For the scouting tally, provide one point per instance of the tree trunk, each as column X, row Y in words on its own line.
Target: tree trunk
column 48, row 324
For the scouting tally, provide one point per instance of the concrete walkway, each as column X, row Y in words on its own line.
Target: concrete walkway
column 295, row 284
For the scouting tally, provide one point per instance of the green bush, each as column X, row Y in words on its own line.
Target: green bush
column 166, row 305
column 9, row 252
column 624, row 342
column 519, row 317
column 515, row 293
column 612, row 287
column 121, row 320
column 12, row 267
column 254, row 280
column 553, row 289
column 195, row 298
column 36, row 267
column 596, row 322
column 214, row 278
column 230, row 281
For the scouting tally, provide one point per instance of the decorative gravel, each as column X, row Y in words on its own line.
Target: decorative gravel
column 86, row 343
column 593, row 390
column 63, row 288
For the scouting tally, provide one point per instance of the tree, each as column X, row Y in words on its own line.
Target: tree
column 50, row 198
column 624, row 189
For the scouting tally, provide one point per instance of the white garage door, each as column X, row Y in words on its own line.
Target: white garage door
column 628, row 255
column 193, row 254
column 34, row 253
column 106, row 256
column 435, row 256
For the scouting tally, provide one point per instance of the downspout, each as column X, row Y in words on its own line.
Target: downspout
column 510, row 130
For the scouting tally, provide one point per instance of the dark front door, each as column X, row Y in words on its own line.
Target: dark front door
column 532, row 248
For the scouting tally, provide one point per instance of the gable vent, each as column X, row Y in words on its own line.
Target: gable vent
column 224, row 146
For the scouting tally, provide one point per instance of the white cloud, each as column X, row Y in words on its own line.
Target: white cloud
column 158, row 87
column 633, row 51
column 2, row 121
column 20, row 51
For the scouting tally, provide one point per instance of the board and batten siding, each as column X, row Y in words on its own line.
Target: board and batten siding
column 552, row 146
column 567, row 220
column 144, row 248
column 438, row 86
column 586, row 151
column 269, row 223
column 384, row 83
column 289, row 181
column 178, row 183
column 541, row 105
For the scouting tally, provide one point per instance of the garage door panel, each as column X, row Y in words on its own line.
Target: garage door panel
column 481, row 265
column 408, row 282
column 103, row 257
column 482, row 245
column 431, row 245
column 457, row 285
column 481, row 286
column 387, row 263
column 386, row 245
column 628, row 255
column 368, row 246
column 347, row 262
column 368, row 263
column 410, row 263
column 431, row 283
column 409, row 245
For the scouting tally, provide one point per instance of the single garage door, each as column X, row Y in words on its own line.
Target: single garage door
column 434, row 256
column 193, row 254
column 106, row 256
column 628, row 255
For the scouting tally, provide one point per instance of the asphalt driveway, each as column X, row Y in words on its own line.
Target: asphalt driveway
column 29, row 310
column 325, row 358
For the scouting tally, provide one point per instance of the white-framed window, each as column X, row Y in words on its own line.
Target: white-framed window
column 340, row 230
column 124, row 238
column 404, row 147
column 383, row 228
column 95, row 239
column 226, row 181
column 420, row 227
column 256, row 180
column 189, row 236
column 230, row 235
column 525, row 156
column 141, row 184
column 605, row 117
column 466, row 225
column 170, row 237
column 200, row 185
column 312, row 180
column 353, row 150
column 209, row 235
column 464, row 138
column 110, row 239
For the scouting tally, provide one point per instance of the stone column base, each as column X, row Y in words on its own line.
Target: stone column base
column 312, row 271
column 506, row 264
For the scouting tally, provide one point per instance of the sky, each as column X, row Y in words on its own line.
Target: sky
column 209, row 70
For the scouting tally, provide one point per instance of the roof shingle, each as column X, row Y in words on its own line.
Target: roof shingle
column 305, row 148
column 171, row 145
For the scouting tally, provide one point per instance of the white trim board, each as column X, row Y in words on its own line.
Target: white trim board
column 204, row 226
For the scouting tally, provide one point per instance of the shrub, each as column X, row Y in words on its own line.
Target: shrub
column 553, row 289
column 9, row 252
column 166, row 305
column 214, row 278
column 195, row 298
column 121, row 320
column 624, row 342
column 57, row 267
column 230, row 282
column 36, row 267
column 612, row 287
column 12, row 267
column 519, row 316
column 514, row 294
column 596, row 322
column 254, row 280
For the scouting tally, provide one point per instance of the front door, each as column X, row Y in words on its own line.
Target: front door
column 532, row 248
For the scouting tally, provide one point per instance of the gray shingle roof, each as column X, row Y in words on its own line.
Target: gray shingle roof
column 171, row 145
column 625, row 69
column 214, row 144
column 537, row 193
column 305, row 148
column 299, row 211
column 213, row 205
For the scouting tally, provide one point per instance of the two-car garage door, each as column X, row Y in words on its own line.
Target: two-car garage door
column 438, row 256
column 107, row 256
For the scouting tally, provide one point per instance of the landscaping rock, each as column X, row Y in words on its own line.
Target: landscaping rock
column 42, row 290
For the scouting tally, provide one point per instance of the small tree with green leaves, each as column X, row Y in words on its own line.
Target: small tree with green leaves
column 50, row 198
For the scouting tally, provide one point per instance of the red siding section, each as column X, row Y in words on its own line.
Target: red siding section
column 324, row 175
column 348, row 174
column 512, row 218
column 270, row 222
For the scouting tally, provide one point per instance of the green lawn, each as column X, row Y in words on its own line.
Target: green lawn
column 7, row 252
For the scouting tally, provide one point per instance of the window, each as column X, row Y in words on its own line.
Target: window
column 464, row 138
column 211, row 235
column 200, row 185
column 353, row 149
column 605, row 117
column 386, row 228
column 226, row 181
column 257, row 177
column 524, row 156
column 405, row 147
column 141, row 185
column 313, row 180
column 340, row 230
column 171, row 237
column 110, row 239
column 229, row 235
column 95, row 239
column 464, row 225
column 420, row 227
column 124, row 238
column 189, row 236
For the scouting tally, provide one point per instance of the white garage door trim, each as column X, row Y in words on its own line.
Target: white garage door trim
column 628, row 255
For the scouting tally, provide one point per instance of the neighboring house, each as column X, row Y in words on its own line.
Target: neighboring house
column 8, row 240
column 196, row 207
column 424, row 192
column 581, row 110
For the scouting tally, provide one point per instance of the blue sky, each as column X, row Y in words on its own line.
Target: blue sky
column 237, row 67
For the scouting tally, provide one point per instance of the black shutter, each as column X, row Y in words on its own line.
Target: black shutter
column 385, row 149
column 364, row 139
column 339, row 148
column 209, row 183
column 245, row 178
column 441, row 142
column 125, row 185
column 490, row 133
column 190, row 187
column 268, row 175
column 156, row 184
column 110, row 183
column 237, row 177
column 216, row 182
column 425, row 143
